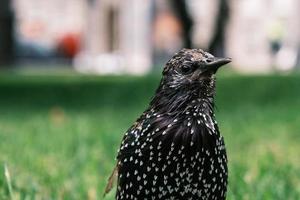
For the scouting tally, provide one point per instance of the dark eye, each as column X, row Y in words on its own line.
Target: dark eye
column 187, row 69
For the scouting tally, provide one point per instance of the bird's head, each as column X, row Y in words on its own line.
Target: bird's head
column 192, row 71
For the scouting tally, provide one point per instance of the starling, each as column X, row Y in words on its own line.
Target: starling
column 174, row 150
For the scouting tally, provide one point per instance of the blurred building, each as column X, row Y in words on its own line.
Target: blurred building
column 261, row 36
column 132, row 36
column 264, row 35
column 117, row 37
column 49, row 28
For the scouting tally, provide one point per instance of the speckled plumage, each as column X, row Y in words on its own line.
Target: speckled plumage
column 174, row 150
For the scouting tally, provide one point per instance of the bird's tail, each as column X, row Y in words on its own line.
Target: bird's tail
column 111, row 180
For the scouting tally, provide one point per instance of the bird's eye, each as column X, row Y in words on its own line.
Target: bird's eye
column 186, row 69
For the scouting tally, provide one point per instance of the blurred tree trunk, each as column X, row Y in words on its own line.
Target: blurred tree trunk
column 216, row 45
column 181, row 11
column 6, row 33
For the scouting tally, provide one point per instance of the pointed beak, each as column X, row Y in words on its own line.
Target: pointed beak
column 215, row 63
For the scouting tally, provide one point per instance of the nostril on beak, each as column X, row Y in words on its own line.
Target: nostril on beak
column 209, row 60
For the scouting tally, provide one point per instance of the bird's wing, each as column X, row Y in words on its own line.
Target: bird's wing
column 111, row 180
column 128, row 138
column 136, row 134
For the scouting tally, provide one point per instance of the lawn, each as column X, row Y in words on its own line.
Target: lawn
column 59, row 134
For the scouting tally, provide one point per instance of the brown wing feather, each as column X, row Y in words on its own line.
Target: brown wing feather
column 111, row 180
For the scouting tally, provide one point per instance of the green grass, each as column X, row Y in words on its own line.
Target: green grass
column 59, row 134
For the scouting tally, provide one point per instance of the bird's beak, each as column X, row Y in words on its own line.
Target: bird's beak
column 216, row 63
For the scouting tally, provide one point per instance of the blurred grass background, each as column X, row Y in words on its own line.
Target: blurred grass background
column 59, row 133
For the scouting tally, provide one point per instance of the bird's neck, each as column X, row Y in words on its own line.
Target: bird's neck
column 186, row 108
column 177, row 102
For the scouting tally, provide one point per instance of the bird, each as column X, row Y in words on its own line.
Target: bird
column 175, row 150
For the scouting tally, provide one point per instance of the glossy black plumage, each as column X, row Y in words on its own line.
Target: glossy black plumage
column 174, row 150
